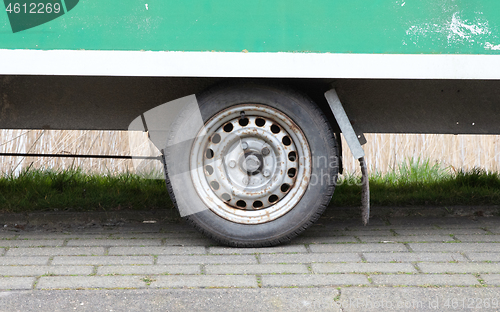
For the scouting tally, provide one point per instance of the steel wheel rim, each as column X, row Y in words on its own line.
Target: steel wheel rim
column 277, row 178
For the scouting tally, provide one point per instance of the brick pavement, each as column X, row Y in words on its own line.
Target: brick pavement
column 413, row 252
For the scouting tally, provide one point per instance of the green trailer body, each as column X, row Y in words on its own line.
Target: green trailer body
column 449, row 46
column 387, row 27
column 310, row 39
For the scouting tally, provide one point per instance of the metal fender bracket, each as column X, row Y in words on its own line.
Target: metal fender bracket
column 354, row 144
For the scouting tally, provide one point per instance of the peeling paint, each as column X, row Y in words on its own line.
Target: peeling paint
column 462, row 29
column 458, row 31
column 403, row 2
column 490, row 46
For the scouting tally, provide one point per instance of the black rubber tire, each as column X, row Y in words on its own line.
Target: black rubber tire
column 306, row 114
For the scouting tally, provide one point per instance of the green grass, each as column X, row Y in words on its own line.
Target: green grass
column 417, row 182
column 414, row 183
column 37, row 190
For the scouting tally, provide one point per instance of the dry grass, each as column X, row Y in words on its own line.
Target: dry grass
column 384, row 151
column 66, row 142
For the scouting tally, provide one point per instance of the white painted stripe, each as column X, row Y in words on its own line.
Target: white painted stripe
column 239, row 64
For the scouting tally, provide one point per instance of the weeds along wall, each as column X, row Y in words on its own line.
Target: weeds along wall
column 385, row 152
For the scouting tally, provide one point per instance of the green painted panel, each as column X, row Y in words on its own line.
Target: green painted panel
column 24, row 14
column 377, row 26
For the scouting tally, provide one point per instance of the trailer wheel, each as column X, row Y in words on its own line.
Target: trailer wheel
column 261, row 170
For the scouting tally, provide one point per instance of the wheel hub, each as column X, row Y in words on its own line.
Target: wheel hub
column 251, row 164
column 251, row 168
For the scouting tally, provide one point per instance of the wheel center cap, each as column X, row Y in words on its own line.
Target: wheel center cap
column 251, row 163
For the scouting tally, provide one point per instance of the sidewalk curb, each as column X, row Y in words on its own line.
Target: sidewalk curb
column 101, row 217
column 385, row 212
column 171, row 216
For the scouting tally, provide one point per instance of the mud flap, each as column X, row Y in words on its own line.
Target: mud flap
column 353, row 141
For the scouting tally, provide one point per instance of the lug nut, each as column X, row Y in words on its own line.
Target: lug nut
column 266, row 173
column 232, row 164
column 265, row 151
column 244, row 145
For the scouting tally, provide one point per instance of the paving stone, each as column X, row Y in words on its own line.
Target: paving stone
column 139, row 235
column 303, row 280
column 87, row 217
column 368, row 233
column 336, row 225
column 310, row 258
column 418, row 221
column 31, row 270
column 375, row 222
column 213, row 259
column 174, row 281
column 256, row 268
column 491, row 279
column 369, row 228
column 356, row 225
column 45, row 235
column 16, row 283
column 169, row 250
column 409, row 238
column 492, row 221
column 324, row 227
column 56, row 251
column 266, row 250
column 192, row 235
column 7, row 235
column 55, row 282
column 190, row 242
column 441, row 232
column 495, row 230
column 413, row 256
column 310, row 299
column 459, row 267
column 425, row 279
column 409, row 227
column 482, row 256
column 454, row 247
column 102, row 260
column 325, row 239
column 362, row 267
column 358, row 247
column 98, row 230
column 446, row 222
column 478, row 238
column 377, row 299
column 320, row 233
column 13, row 218
column 24, row 260
column 149, row 269
column 132, row 228
column 31, row 243
column 185, row 250
column 465, row 225
column 177, row 228
column 114, row 242
column 181, row 232
column 105, row 232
